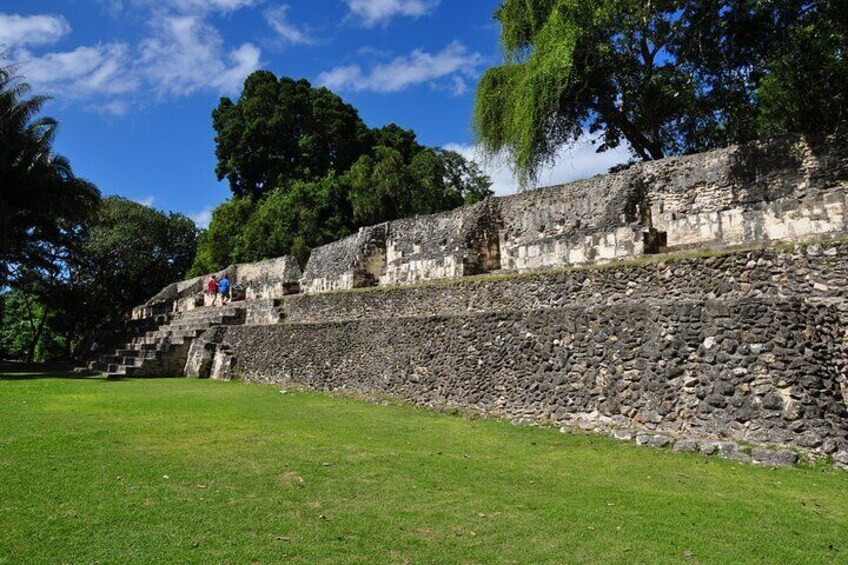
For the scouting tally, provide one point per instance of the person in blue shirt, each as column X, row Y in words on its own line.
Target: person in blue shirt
column 224, row 289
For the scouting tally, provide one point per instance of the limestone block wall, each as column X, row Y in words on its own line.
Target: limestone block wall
column 780, row 189
column 272, row 279
column 452, row 244
column 265, row 280
column 592, row 249
column 758, row 370
column 786, row 219
column 354, row 262
column 816, row 273
column 783, row 189
column 587, row 221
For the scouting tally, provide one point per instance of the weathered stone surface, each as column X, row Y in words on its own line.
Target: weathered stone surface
column 354, row 262
column 774, row 457
column 600, row 366
column 687, row 446
column 449, row 245
column 777, row 273
column 783, row 189
column 269, row 280
column 660, row 441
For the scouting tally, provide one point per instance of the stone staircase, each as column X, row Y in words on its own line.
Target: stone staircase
column 163, row 352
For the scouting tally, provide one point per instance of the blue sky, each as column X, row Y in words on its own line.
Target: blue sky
column 134, row 82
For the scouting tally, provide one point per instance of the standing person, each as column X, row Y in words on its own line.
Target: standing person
column 212, row 289
column 224, row 289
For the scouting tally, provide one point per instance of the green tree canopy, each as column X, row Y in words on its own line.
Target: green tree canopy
column 666, row 76
column 125, row 254
column 131, row 251
column 42, row 202
column 305, row 170
column 284, row 130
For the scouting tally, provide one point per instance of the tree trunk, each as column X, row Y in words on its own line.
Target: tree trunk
column 36, row 338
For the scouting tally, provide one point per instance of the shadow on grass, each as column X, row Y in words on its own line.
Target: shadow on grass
column 23, row 372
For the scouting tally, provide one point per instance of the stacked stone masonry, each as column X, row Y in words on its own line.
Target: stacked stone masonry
column 757, row 370
column 700, row 298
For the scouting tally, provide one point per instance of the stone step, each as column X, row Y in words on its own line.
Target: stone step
column 117, row 371
column 183, row 332
column 207, row 313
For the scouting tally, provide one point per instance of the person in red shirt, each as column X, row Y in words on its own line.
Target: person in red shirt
column 212, row 289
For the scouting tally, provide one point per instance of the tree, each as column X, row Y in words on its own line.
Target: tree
column 305, row 170
column 42, row 202
column 295, row 219
column 666, row 76
column 284, row 130
column 218, row 245
column 26, row 333
column 388, row 187
column 130, row 252
column 805, row 88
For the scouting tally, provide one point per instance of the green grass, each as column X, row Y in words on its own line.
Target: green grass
column 179, row 471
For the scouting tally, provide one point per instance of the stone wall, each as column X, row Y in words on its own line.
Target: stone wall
column 781, row 190
column 587, row 221
column 449, row 245
column 801, row 169
column 272, row 279
column 758, row 370
column 784, row 189
column 815, row 272
column 261, row 281
column 354, row 262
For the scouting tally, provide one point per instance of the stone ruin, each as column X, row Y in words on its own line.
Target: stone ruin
column 698, row 301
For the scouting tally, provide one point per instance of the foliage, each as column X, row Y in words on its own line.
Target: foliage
column 131, row 251
column 42, row 203
column 44, row 211
column 281, row 131
column 305, row 170
column 806, row 89
column 217, row 245
column 388, row 187
column 292, row 221
column 119, row 259
column 289, row 483
column 20, row 335
column 666, row 76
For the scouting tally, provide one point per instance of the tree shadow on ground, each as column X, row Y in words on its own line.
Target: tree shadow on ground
column 10, row 371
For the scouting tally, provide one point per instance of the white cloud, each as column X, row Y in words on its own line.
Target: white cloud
column 198, row 6
column 572, row 163
column 19, row 31
column 85, row 71
column 183, row 53
column 186, row 54
column 277, row 18
column 245, row 60
column 110, row 108
column 373, row 12
column 402, row 72
column 202, row 218
column 148, row 201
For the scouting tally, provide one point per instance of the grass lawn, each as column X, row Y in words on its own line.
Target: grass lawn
column 179, row 471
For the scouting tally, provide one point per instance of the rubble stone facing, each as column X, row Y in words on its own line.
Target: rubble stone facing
column 759, row 370
column 735, row 352
column 813, row 272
